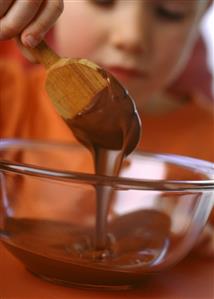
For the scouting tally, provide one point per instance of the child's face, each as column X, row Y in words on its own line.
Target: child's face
column 144, row 43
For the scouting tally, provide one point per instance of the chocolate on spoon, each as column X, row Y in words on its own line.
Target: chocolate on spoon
column 93, row 103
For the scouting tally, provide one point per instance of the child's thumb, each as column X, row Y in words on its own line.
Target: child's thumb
column 25, row 51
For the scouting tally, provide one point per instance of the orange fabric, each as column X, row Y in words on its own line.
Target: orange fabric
column 32, row 115
column 8, row 49
column 188, row 130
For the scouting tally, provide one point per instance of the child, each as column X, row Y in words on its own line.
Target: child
column 145, row 44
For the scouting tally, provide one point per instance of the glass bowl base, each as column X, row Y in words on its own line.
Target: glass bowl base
column 84, row 285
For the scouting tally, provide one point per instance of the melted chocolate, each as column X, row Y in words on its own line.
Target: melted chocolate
column 110, row 122
column 110, row 127
column 65, row 252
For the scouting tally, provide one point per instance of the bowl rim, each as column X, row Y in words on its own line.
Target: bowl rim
column 123, row 183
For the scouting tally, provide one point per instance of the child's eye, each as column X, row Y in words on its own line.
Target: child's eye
column 104, row 2
column 169, row 15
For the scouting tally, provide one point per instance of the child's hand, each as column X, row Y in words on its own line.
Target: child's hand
column 29, row 19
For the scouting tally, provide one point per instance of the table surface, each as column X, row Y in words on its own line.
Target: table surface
column 192, row 278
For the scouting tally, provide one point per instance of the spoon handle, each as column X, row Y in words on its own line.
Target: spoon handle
column 44, row 55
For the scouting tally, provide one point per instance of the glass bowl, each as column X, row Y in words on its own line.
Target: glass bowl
column 148, row 219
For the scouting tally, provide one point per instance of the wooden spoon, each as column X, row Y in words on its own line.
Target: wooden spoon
column 71, row 83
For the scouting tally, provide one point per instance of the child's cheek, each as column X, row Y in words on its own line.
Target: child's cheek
column 75, row 37
column 82, row 42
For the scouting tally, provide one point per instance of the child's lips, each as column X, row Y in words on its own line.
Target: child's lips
column 126, row 74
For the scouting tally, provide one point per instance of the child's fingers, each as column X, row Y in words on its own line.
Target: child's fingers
column 4, row 5
column 44, row 20
column 25, row 51
column 18, row 17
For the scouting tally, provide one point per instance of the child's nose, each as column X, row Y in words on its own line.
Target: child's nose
column 129, row 30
